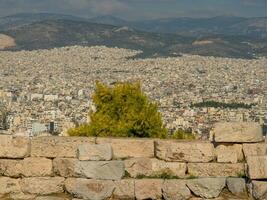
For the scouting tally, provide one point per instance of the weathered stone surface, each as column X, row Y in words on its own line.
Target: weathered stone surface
column 238, row 132
column 22, row 196
column 124, row 189
column 29, row 167
column 152, row 167
column 148, row 189
column 216, row 169
column 52, row 198
column 175, row 190
column 11, row 168
column 206, row 187
column 130, row 148
column 256, row 149
column 185, row 151
column 9, row 185
column 259, row 190
column 96, row 152
column 37, row 167
column 52, row 147
column 65, row 167
column 42, row 185
column 89, row 189
column 229, row 154
column 105, row 170
column 237, row 186
column 14, row 147
column 257, row 167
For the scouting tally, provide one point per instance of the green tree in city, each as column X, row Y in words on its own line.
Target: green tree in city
column 122, row 111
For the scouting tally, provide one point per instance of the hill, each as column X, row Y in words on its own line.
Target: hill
column 57, row 33
column 15, row 21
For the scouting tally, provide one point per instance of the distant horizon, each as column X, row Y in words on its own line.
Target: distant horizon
column 133, row 10
column 118, row 17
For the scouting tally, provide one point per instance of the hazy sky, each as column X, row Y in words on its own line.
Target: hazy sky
column 138, row 9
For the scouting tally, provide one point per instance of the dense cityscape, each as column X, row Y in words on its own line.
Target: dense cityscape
column 50, row 90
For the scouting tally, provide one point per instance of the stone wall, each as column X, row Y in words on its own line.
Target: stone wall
column 58, row 168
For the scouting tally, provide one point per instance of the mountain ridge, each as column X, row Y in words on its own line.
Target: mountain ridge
column 58, row 33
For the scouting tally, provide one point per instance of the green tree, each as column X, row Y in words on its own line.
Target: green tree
column 122, row 111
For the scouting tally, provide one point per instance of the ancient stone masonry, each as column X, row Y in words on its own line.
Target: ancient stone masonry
column 66, row 168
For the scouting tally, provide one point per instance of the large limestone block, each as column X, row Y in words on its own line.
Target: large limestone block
column 229, row 154
column 9, row 185
column 259, row 190
column 257, row 167
column 96, row 152
column 42, row 185
column 206, row 187
column 256, row 149
column 153, row 167
column 185, row 151
column 216, row 169
column 89, row 189
column 148, row 189
column 65, row 167
column 124, row 189
column 105, row 170
column 130, row 148
column 29, row 167
column 175, row 190
column 11, row 168
column 14, row 147
column 37, row 167
column 52, row 147
column 241, row 132
column 237, row 186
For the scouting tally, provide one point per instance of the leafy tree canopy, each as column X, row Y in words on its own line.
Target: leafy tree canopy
column 122, row 111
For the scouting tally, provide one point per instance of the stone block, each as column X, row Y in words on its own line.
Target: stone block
column 129, row 148
column 29, row 167
column 14, row 147
column 175, row 190
column 229, row 154
column 239, row 132
column 95, row 152
column 89, row 189
column 207, row 187
column 216, row 169
column 65, row 167
column 42, row 185
column 52, row 147
column 259, row 190
column 154, row 167
column 255, row 149
column 257, row 167
column 9, row 185
column 196, row 151
column 124, row 189
column 148, row 189
column 34, row 167
column 237, row 186
column 105, row 170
